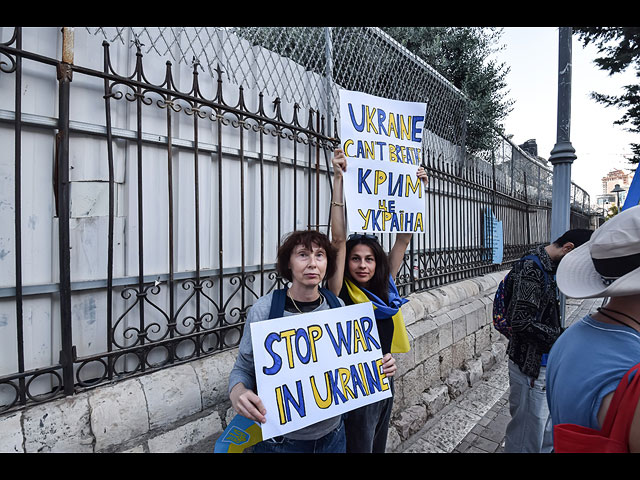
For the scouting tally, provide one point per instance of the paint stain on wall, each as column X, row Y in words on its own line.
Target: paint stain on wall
column 86, row 311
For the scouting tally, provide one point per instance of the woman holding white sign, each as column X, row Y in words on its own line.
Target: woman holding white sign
column 365, row 273
column 304, row 259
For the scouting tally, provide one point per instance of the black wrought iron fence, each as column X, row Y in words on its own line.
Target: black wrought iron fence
column 210, row 186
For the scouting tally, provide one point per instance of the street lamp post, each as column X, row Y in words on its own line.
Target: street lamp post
column 617, row 189
column 563, row 153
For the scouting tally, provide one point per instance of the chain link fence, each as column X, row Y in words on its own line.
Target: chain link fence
column 309, row 65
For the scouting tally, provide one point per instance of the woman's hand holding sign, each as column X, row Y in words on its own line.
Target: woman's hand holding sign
column 422, row 175
column 246, row 403
column 339, row 162
column 389, row 365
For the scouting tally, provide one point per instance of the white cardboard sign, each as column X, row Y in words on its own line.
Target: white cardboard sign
column 314, row 366
column 383, row 197
column 381, row 129
column 382, row 140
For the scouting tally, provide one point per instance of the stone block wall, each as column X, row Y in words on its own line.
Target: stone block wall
column 453, row 343
column 186, row 407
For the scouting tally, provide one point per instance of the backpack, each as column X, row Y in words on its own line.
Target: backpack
column 501, row 299
column 280, row 295
column 614, row 435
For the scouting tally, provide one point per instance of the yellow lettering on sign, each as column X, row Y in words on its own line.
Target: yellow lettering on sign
column 415, row 187
column 322, row 402
column 287, row 334
column 392, row 126
column 381, row 177
column 405, row 129
column 370, row 125
column 347, row 144
column 315, row 331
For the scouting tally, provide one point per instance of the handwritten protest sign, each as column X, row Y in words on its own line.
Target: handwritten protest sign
column 379, row 128
column 383, row 197
column 318, row 365
column 382, row 140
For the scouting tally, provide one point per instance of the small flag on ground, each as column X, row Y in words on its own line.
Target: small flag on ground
column 241, row 433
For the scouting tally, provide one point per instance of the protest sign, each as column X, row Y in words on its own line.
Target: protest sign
column 383, row 197
column 382, row 129
column 382, row 140
column 493, row 236
column 315, row 366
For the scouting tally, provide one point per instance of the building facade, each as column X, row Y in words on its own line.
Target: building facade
column 609, row 198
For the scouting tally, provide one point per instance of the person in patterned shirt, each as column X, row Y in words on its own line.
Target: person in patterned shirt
column 534, row 313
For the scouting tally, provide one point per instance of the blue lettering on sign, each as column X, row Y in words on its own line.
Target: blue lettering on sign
column 415, row 131
column 342, row 339
column 277, row 360
column 362, row 180
column 358, row 126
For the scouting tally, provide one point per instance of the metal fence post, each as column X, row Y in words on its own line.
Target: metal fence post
column 563, row 153
column 64, row 71
column 18, row 215
column 328, row 74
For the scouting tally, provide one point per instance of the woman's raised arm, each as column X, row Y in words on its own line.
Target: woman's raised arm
column 338, row 223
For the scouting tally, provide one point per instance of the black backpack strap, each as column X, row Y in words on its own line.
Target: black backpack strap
column 332, row 300
column 277, row 303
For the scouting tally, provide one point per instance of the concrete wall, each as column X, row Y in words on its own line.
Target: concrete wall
column 185, row 408
column 453, row 343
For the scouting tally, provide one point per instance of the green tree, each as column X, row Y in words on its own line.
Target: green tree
column 463, row 56
column 612, row 212
column 620, row 49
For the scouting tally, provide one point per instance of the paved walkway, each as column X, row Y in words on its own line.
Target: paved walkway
column 476, row 421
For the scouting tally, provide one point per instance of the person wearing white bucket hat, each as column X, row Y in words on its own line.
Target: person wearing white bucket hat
column 590, row 358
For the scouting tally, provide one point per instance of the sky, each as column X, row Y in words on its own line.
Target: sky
column 532, row 83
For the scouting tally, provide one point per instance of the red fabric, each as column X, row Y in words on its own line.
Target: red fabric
column 614, row 435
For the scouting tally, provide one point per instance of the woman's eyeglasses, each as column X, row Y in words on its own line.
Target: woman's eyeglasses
column 357, row 236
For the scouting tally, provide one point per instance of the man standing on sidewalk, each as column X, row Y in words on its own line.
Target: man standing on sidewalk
column 534, row 314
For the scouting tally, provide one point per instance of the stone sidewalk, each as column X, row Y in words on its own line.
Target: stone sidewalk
column 476, row 421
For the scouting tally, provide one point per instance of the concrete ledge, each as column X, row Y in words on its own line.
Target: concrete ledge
column 185, row 407
column 453, row 344
column 166, row 411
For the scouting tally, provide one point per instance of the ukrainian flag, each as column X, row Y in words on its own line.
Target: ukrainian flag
column 400, row 340
column 241, row 433
column 633, row 195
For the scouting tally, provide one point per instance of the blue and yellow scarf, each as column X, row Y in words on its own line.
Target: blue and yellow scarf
column 400, row 341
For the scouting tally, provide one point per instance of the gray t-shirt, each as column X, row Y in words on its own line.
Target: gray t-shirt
column 244, row 371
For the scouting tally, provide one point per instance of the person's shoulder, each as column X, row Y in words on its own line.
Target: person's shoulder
column 532, row 266
column 525, row 271
column 265, row 299
column 261, row 306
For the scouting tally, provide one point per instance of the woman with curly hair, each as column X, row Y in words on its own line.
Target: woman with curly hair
column 304, row 259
